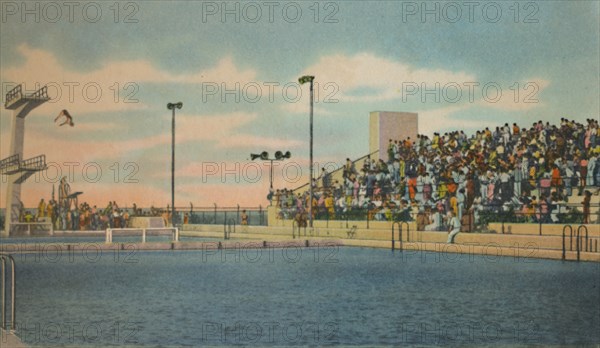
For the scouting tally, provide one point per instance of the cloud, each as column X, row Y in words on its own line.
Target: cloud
column 65, row 143
column 193, row 127
column 117, row 71
column 225, row 195
column 99, row 193
column 525, row 96
column 245, row 140
column 440, row 119
column 365, row 77
column 113, row 87
column 61, row 149
column 225, row 130
column 207, row 170
column 80, row 92
column 86, row 126
column 304, row 108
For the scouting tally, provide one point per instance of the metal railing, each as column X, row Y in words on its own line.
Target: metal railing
column 591, row 244
column 216, row 215
column 400, row 225
column 7, row 257
column 17, row 92
column 35, row 163
column 578, row 243
column 337, row 170
column 14, row 93
column 354, row 214
column 174, row 231
column 564, row 249
column 10, row 164
column 569, row 213
column 41, row 93
column 15, row 227
column 228, row 228
column 257, row 216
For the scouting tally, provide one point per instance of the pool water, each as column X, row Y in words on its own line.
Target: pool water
column 308, row 297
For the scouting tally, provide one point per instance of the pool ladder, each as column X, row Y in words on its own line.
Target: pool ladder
column 7, row 257
column 590, row 244
column 400, row 225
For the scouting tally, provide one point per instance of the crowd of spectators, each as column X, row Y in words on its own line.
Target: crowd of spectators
column 530, row 172
column 74, row 216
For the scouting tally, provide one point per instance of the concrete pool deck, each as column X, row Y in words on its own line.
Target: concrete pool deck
column 10, row 340
column 515, row 246
column 522, row 242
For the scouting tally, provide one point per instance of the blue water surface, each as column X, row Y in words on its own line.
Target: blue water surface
column 304, row 297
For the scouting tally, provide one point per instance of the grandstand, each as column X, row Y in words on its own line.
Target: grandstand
column 518, row 191
column 541, row 174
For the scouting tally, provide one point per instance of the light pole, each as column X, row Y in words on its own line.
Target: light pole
column 302, row 81
column 279, row 156
column 172, row 107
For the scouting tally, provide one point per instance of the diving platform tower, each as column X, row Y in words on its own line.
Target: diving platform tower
column 14, row 166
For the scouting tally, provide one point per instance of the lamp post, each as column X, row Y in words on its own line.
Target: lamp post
column 302, row 81
column 172, row 107
column 279, row 156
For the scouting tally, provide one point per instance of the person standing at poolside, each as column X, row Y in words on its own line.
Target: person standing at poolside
column 50, row 210
column 244, row 218
column 582, row 173
column 454, row 227
column 569, row 175
column 589, row 181
column 41, row 212
column 63, row 216
column 435, row 220
column 460, row 203
column 586, row 206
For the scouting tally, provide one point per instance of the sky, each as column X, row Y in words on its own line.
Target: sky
column 235, row 67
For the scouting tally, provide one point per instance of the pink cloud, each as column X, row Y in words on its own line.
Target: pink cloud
column 113, row 87
column 245, row 140
column 125, row 194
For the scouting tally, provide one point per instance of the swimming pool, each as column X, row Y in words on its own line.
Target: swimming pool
column 293, row 296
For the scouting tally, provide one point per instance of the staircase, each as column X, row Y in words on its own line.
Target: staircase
column 338, row 174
